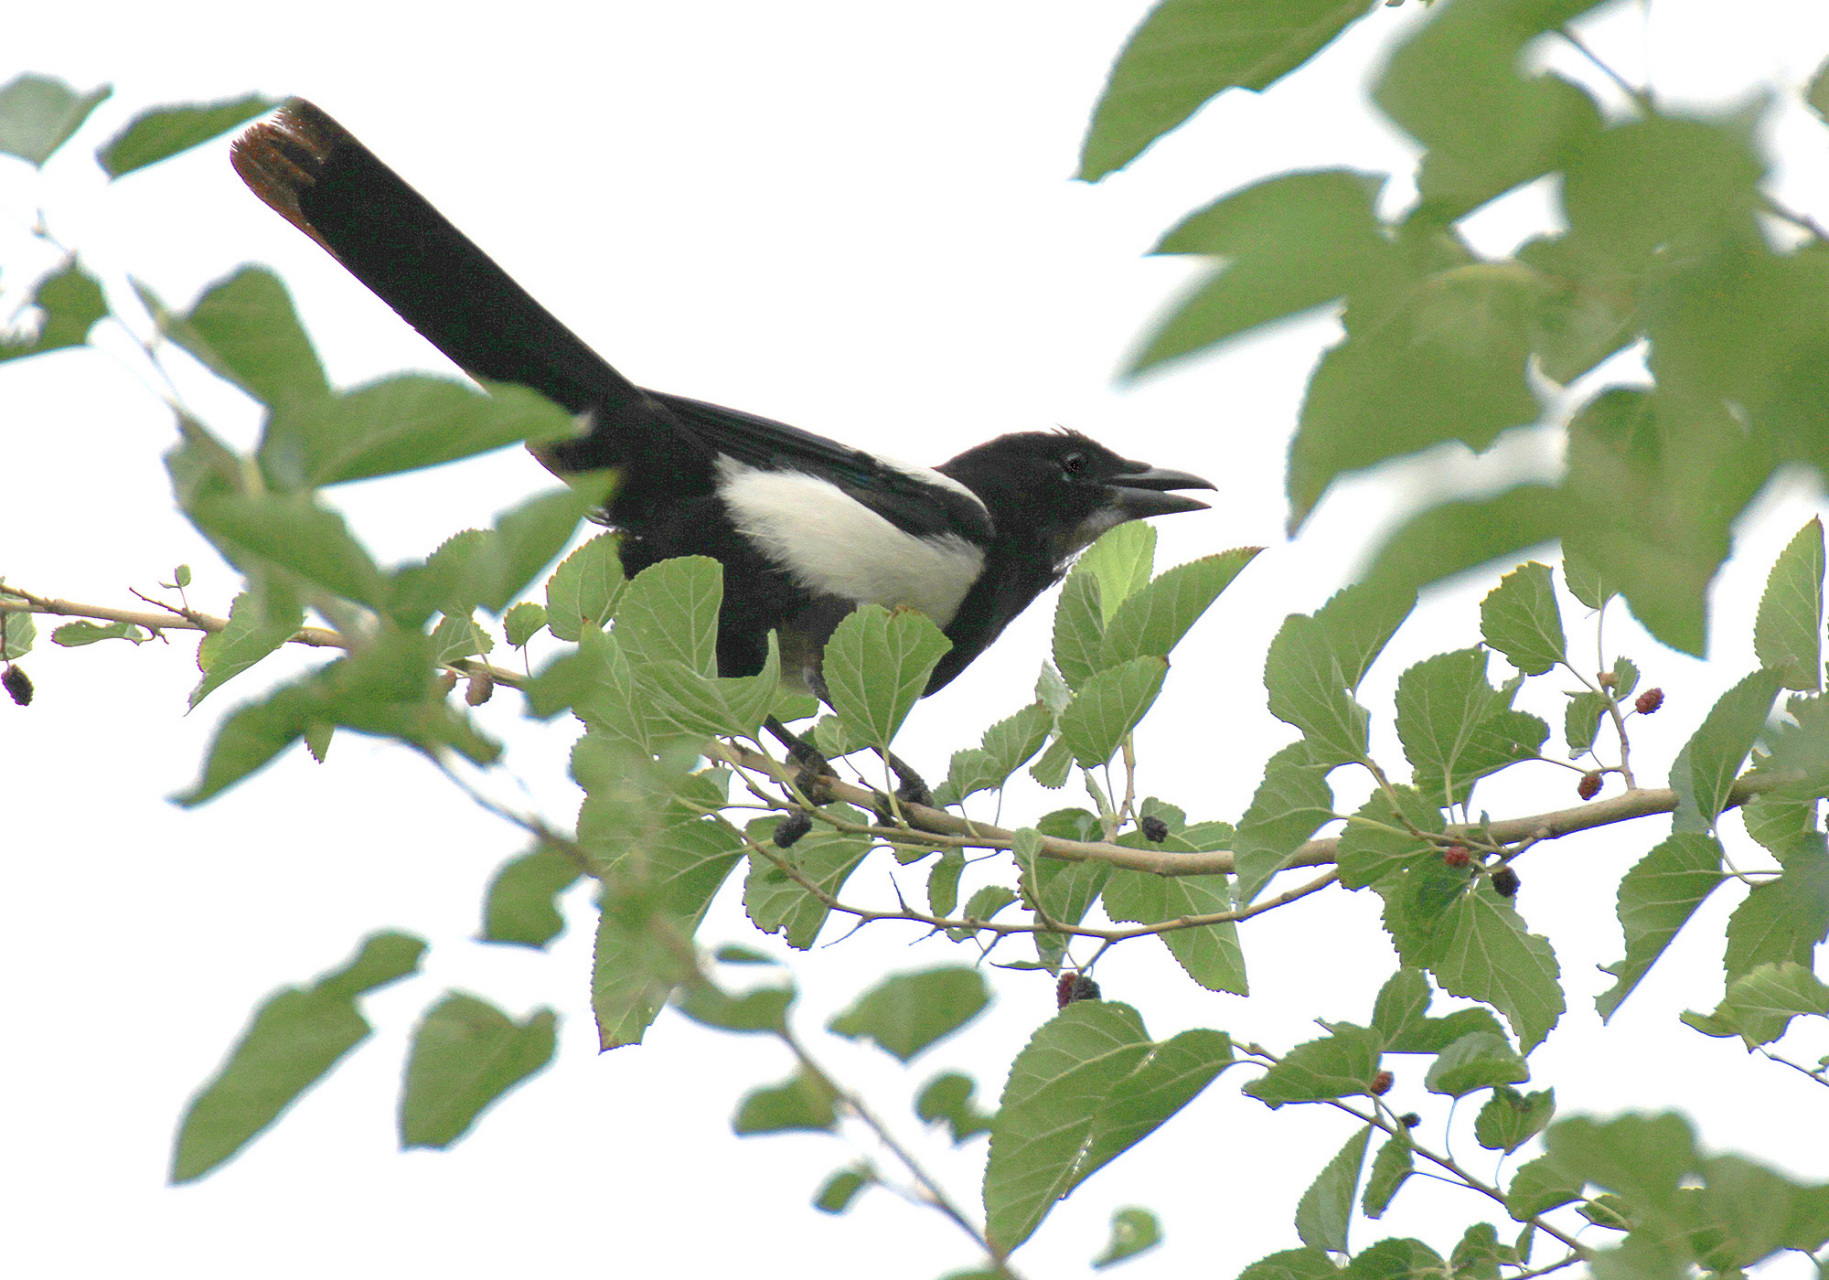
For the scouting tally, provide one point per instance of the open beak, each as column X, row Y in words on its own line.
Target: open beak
column 1145, row 491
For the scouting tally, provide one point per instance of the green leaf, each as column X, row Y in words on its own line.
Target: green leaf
column 1402, row 1007
column 295, row 1037
column 1108, row 706
column 1326, row 1208
column 841, row 1189
column 72, row 302
column 801, row 1103
column 1008, row 745
column 1520, row 619
column 1489, row 955
column 1433, row 1035
column 584, row 589
column 1053, row 765
column 1656, row 898
column 1317, row 662
column 948, row 1097
column 1641, row 1157
column 1292, row 1264
column 1079, row 629
column 670, row 611
column 1453, row 537
column 522, row 622
column 1186, row 52
column 74, row 635
column 1816, row 93
column 1089, row 1085
column 1478, row 1255
column 466, row 1054
column 876, row 668
column 245, row 329
column 1538, row 1187
column 258, row 625
column 1783, row 919
column 1390, row 1168
column 401, row 423
column 1480, row 1060
column 522, row 905
column 1588, row 309
column 1210, row 953
column 1581, row 722
column 760, row 1011
column 163, row 132
column 1120, row 562
column 38, row 115
column 1290, row 805
column 1155, row 618
column 1378, row 842
column 1287, row 244
column 984, row 904
column 17, row 634
column 1640, row 185
column 1788, row 636
column 776, row 903
column 1510, row 1119
column 1718, row 749
column 291, row 531
column 1133, row 1231
column 1337, row 1066
column 1760, row 1004
column 907, row 1012
column 943, row 882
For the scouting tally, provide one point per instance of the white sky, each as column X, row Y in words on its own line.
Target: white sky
column 858, row 221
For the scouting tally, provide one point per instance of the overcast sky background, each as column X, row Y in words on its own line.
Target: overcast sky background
column 862, row 223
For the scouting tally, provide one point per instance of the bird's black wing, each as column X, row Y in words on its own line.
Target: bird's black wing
column 912, row 502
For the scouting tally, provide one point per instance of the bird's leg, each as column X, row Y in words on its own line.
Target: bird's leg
column 913, row 790
column 815, row 769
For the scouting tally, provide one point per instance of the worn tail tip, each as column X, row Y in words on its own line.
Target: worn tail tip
column 281, row 159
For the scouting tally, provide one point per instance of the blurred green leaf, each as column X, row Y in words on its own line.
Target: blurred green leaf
column 163, row 132
column 74, row 635
column 293, row 1040
column 801, row 1103
column 1788, row 636
column 761, row 1011
column 876, row 668
column 291, row 531
column 907, row 1012
column 1187, row 51
column 1287, row 244
column 948, row 1097
column 841, row 1190
column 1656, row 898
column 522, row 904
column 245, row 329
column 38, row 115
column 72, row 302
column 1133, row 1231
column 466, row 1054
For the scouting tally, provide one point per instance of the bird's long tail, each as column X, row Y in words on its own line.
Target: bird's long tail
column 315, row 174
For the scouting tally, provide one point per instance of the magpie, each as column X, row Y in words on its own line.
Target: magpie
column 807, row 529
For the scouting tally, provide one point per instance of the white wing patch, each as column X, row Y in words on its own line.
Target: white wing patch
column 833, row 545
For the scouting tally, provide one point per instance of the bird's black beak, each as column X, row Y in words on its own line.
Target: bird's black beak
column 1145, row 490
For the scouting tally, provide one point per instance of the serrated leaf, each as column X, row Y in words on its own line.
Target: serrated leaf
column 1478, row 1255
column 1479, row 1060
column 1656, row 898
column 1538, row 1187
column 907, row 1012
column 1784, row 919
column 38, row 115
column 257, row 626
column 1079, row 629
column 1157, row 615
column 1760, row 1004
column 1186, row 52
column 1292, row 1264
column 293, row 1040
column 1402, row 1006
column 1289, row 806
column 1108, row 706
column 522, row 622
column 466, row 1054
column 1510, row 1119
column 1336, row 1066
column 1788, row 635
column 1053, row 765
column 1489, row 955
column 1170, row 1076
column 1390, row 1168
column 584, row 589
column 776, row 903
column 521, row 906
column 163, row 132
column 1581, row 722
column 1210, row 954
column 1718, row 748
column 1798, row 749
column 876, row 668
column 245, row 329
column 17, row 635
column 1326, row 1208
column 1521, row 620
column 1121, row 562
column 74, row 635
column 1316, row 662
column 670, row 612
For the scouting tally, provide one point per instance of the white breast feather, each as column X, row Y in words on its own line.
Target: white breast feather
column 835, row 546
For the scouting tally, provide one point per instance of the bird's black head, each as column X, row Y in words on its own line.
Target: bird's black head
column 1057, row 491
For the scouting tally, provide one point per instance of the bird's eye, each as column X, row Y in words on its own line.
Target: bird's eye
column 1073, row 463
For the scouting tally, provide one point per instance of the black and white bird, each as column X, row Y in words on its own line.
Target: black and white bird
column 806, row 528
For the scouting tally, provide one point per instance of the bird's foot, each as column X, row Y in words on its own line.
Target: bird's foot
column 814, row 780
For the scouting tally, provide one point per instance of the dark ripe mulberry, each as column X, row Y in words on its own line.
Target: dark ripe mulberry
column 1410, row 1119
column 1382, row 1082
column 1505, row 880
column 1456, row 855
column 789, row 830
column 18, row 685
column 1075, row 986
column 1589, row 786
column 1154, row 829
column 1649, row 701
